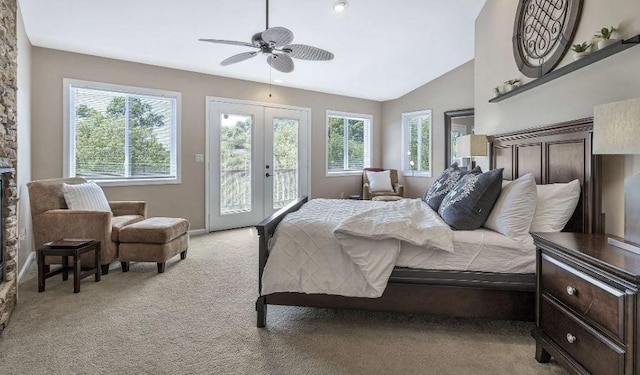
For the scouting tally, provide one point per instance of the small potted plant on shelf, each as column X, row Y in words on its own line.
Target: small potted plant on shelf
column 511, row 84
column 496, row 91
column 604, row 37
column 580, row 50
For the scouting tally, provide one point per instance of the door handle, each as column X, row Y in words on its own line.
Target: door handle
column 267, row 175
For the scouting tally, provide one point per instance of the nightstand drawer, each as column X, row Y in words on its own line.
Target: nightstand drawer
column 588, row 297
column 594, row 352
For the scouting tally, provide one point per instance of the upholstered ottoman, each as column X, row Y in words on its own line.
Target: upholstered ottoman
column 153, row 240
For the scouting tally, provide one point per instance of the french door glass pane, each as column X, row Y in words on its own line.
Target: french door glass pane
column 235, row 163
column 285, row 161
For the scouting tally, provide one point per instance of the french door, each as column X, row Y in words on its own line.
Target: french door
column 258, row 161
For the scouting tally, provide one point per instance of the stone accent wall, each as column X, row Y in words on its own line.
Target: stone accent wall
column 8, row 159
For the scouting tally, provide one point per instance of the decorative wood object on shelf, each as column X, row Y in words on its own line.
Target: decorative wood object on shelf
column 541, row 34
column 619, row 46
column 586, row 303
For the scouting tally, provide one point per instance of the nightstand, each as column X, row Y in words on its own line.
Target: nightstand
column 587, row 304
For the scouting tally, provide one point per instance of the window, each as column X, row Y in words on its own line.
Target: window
column 416, row 130
column 121, row 135
column 348, row 142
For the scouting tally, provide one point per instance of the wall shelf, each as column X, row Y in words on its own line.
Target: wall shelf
column 619, row 46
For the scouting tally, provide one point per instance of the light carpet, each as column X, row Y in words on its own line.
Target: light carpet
column 198, row 318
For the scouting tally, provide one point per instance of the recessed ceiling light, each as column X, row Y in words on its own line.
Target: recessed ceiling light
column 278, row 81
column 340, row 5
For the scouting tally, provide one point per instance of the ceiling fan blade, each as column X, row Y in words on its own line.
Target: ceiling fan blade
column 277, row 36
column 237, row 58
column 304, row 52
column 280, row 62
column 228, row 42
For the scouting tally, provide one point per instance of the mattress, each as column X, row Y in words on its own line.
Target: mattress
column 478, row 250
column 308, row 253
column 347, row 247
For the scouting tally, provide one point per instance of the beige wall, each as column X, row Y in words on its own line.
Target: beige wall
column 188, row 198
column 453, row 90
column 24, row 142
column 470, row 85
column 569, row 97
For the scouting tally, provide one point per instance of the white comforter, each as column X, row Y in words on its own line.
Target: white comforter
column 348, row 247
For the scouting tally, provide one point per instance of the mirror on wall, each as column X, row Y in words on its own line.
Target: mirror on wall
column 456, row 124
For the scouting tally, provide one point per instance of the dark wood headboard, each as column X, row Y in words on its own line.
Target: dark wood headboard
column 556, row 153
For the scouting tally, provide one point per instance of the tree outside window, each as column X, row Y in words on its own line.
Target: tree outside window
column 348, row 142
column 121, row 135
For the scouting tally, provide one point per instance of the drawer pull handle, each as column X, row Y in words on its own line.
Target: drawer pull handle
column 571, row 338
column 572, row 291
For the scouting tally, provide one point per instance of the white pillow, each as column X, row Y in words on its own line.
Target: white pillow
column 87, row 196
column 379, row 181
column 513, row 211
column 556, row 203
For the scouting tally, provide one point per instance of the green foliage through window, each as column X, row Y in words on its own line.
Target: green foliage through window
column 236, row 156
column 347, row 143
column 235, row 163
column 417, row 142
column 285, row 161
column 122, row 136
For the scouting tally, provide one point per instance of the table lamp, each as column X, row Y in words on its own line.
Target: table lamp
column 471, row 145
column 616, row 131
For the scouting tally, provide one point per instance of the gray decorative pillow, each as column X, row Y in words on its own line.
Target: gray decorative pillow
column 443, row 185
column 469, row 203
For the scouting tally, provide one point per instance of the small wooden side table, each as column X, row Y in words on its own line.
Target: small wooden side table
column 65, row 252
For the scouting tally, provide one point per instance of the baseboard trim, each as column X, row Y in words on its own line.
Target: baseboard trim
column 197, row 232
column 26, row 266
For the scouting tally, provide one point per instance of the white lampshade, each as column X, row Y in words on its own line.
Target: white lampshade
column 616, row 130
column 616, row 127
column 471, row 145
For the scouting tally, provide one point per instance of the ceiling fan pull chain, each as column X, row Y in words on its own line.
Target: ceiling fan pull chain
column 270, row 70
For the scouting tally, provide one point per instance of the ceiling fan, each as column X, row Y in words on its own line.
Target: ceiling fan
column 275, row 42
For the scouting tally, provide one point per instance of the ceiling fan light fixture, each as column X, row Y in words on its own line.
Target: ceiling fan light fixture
column 340, row 5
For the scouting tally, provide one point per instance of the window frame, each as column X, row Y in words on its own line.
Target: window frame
column 368, row 148
column 69, row 130
column 406, row 169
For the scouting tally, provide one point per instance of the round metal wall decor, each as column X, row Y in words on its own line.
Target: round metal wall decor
column 542, row 34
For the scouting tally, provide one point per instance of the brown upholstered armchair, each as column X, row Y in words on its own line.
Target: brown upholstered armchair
column 398, row 190
column 53, row 220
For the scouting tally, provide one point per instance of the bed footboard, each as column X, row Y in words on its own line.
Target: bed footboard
column 266, row 228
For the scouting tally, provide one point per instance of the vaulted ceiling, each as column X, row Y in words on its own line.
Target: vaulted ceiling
column 383, row 48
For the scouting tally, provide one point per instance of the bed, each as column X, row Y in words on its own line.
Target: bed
column 555, row 153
